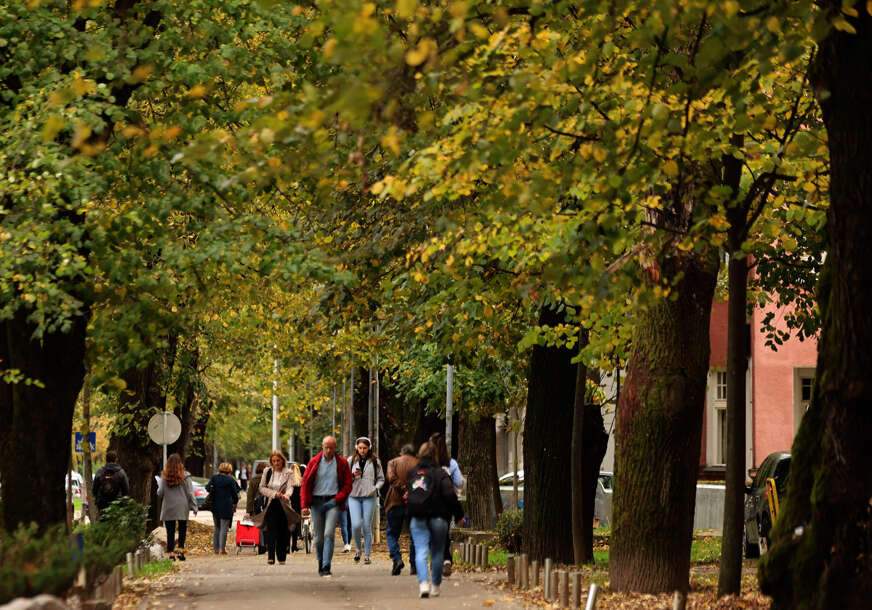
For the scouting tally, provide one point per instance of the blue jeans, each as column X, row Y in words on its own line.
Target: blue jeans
column 219, row 537
column 325, row 512
column 429, row 535
column 393, row 529
column 345, row 526
column 361, row 519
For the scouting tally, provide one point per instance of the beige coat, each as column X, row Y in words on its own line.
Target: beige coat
column 289, row 478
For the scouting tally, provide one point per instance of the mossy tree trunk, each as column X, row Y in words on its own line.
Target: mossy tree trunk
column 821, row 551
column 37, row 422
column 547, row 448
column 478, row 456
column 659, row 427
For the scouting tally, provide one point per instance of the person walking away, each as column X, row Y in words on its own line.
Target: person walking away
column 324, row 492
column 432, row 502
column 367, row 479
column 395, row 507
column 255, row 503
column 450, row 465
column 178, row 501
column 243, row 477
column 225, row 495
column 297, row 481
column 110, row 483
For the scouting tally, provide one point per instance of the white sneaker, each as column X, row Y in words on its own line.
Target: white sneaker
column 434, row 590
column 346, row 548
column 424, row 589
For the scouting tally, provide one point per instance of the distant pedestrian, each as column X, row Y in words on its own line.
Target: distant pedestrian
column 432, row 502
column 255, row 503
column 297, row 481
column 395, row 507
column 368, row 479
column 225, row 495
column 243, row 477
column 178, row 500
column 279, row 518
column 324, row 492
column 345, row 529
column 450, row 465
column 110, row 482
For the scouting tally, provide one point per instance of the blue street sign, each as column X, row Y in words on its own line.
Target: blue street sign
column 93, row 443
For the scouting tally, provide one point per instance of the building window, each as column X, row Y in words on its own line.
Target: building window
column 722, row 436
column 721, row 386
column 805, row 387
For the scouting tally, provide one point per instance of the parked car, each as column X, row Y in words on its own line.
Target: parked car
column 758, row 517
column 603, row 492
column 199, row 492
column 507, row 489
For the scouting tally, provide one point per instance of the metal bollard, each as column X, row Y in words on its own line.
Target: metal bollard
column 525, row 575
column 131, row 566
column 485, row 557
column 564, row 589
column 591, row 597
column 679, row 600
column 510, row 569
column 546, row 583
column 575, row 596
column 534, row 574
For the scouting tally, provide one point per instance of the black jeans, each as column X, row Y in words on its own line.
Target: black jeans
column 171, row 534
column 277, row 536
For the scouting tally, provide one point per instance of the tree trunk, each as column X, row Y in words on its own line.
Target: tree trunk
column 582, row 544
column 38, row 421
column 195, row 460
column 730, row 577
column 594, row 446
column 88, row 468
column 659, row 428
column 494, row 475
column 478, row 455
column 547, row 444
column 821, row 551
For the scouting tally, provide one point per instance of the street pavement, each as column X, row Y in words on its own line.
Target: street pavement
column 239, row 582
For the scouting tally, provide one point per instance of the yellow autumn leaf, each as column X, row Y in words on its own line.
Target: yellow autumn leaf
column 406, row 8
column 420, row 54
column 670, row 168
column 197, row 91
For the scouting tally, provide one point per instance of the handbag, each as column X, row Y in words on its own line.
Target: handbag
column 208, row 503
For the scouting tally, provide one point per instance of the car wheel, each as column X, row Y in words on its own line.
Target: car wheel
column 751, row 550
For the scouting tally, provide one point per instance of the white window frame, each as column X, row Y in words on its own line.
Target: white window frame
column 799, row 405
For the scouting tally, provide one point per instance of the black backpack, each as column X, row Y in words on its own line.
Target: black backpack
column 110, row 487
column 424, row 491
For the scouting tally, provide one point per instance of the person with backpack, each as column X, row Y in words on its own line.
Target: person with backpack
column 278, row 518
column 395, row 507
column 368, row 479
column 325, row 489
column 225, row 495
column 431, row 502
column 449, row 464
column 178, row 500
column 110, row 482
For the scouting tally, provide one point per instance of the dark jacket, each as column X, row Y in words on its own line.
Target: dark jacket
column 225, row 493
column 447, row 504
column 343, row 473
column 101, row 496
column 252, row 493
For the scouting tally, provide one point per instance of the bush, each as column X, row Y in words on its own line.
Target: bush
column 509, row 529
column 31, row 564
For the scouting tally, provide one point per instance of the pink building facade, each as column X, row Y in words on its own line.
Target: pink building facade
column 778, row 390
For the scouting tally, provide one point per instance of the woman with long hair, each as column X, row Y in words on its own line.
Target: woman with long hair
column 178, row 500
column 367, row 479
column 279, row 518
column 449, row 464
column 225, row 495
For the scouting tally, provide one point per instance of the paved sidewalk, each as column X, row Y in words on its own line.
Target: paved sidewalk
column 246, row 581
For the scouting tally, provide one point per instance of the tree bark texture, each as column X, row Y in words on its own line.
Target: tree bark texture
column 37, row 421
column 659, row 427
column 547, row 448
column 821, row 550
column 195, row 460
column 478, row 442
column 594, row 445
column 87, row 465
column 582, row 551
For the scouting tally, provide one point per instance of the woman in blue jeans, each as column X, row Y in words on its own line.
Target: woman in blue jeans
column 225, row 494
column 432, row 502
column 367, row 479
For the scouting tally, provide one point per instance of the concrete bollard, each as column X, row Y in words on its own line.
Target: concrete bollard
column 679, row 600
column 510, row 569
column 575, row 595
column 564, row 589
column 139, row 562
column 546, row 582
column 462, row 552
column 534, row 574
column 555, row 587
column 525, row 574
column 591, row 597
column 485, row 557
column 119, row 580
column 131, row 567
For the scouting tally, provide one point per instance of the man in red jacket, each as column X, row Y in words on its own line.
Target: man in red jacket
column 325, row 489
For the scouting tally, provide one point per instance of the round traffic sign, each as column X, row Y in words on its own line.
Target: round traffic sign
column 156, row 431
